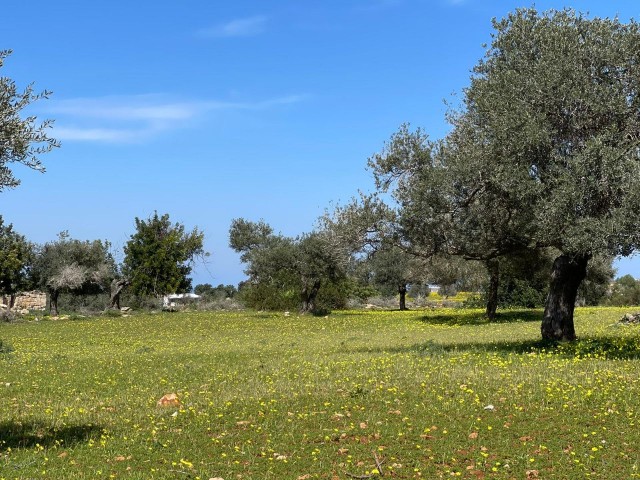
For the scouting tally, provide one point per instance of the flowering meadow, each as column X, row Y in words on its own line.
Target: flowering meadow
column 420, row 394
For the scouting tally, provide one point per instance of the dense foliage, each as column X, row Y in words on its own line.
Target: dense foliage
column 16, row 256
column 70, row 265
column 624, row 291
column 543, row 154
column 159, row 256
column 215, row 293
column 284, row 272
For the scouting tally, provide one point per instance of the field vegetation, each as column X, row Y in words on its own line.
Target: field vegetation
column 431, row 393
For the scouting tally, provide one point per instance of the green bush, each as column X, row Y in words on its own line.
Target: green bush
column 84, row 304
column 262, row 296
column 520, row 293
column 332, row 296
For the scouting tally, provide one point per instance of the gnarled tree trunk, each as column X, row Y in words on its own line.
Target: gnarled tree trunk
column 493, row 267
column 309, row 294
column 117, row 285
column 567, row 274
column 402, row 290
column 53, row 301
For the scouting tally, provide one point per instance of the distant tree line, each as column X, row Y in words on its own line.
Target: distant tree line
column 312, row 273
column 158, row 260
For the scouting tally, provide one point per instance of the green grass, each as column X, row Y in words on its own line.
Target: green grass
column 266, row 396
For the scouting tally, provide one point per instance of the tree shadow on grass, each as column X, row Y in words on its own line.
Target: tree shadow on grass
column 604, row 348
column 475, row 317
column 15, row 434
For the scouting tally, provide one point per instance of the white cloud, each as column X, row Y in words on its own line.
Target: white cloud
column 124, row 119
column 136, row 107
column 241, row 27
column 97, row 134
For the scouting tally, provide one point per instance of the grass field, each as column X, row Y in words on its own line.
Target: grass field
column 421, row 394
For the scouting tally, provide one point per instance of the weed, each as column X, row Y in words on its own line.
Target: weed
column 5, row 347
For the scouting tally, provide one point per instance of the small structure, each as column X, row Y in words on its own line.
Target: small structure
column 175, row 300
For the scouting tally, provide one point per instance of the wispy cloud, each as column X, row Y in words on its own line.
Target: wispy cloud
column 123, row 119
column 135, row 107
column 109, row 135
column 240, row 27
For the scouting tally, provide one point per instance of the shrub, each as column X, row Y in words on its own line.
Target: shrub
column 7, row 315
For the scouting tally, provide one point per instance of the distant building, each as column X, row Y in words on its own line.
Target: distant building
column 175, row 299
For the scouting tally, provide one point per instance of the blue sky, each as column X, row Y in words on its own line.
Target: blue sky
column 210, row 110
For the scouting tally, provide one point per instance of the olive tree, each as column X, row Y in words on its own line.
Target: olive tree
column 558, row 98
column 393, row 270
column 544, row 152
column 70, row 265
column 22, row 138
column 278, row 265
column 365, row 229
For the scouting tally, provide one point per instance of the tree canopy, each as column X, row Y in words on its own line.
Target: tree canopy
column 70, row 265
column 16, row 256
column 220, row 292
column 22, row 139
column 285, row 271
column 159, row 256
column 543, row 153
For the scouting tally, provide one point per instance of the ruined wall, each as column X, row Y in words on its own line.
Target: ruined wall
column 34, row 300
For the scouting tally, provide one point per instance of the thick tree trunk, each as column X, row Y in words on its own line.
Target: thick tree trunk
column 402, row 290
column 117, row 286
column 567, row 274
column 493, row 267
column 53, row 302
column 309, row 294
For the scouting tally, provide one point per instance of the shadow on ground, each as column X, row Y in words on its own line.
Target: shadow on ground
column 607, row 347
column 475, row 317
column 14, row 434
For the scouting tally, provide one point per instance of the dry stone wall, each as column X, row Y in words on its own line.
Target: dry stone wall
column 34, row 300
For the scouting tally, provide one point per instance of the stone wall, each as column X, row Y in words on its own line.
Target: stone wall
column 34, row 300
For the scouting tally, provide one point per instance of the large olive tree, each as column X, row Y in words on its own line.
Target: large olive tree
column 543, row 153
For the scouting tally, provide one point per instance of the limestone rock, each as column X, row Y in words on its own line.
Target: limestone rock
column 630, row 318
column 169, row 400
